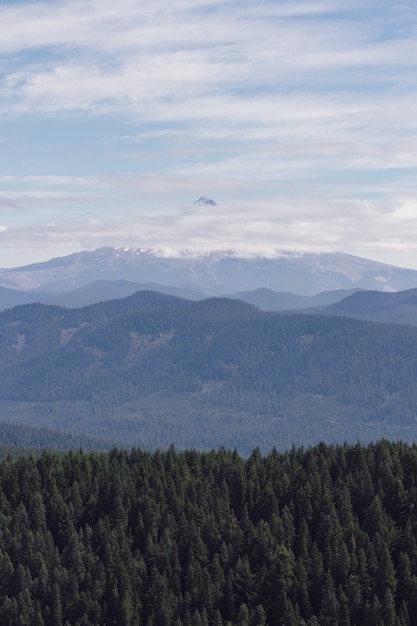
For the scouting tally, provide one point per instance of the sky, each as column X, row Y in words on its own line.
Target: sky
column 298, row 118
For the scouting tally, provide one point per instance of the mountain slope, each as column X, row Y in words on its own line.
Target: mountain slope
column 13, row 297
column 395, row 308
column 213, row 273
column 103, row 290
column 268, row 300
column 153, row 369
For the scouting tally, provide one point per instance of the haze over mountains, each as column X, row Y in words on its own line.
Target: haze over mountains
column 153, row 369
column 127, row 365
column 394, row 308
column 212, row 273
column 288, row 282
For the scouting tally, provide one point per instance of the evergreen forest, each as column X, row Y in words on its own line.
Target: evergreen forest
column 150, row 370
column 318, row 536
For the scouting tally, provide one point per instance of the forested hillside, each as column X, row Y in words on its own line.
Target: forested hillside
column 153, row 370
column 321, row 536
column 396, row 308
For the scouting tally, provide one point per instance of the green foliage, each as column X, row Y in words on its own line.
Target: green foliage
column 324, row 535
column 152, row 369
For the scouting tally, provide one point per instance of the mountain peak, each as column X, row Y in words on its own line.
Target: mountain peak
column 205, row 200
column 221, row 272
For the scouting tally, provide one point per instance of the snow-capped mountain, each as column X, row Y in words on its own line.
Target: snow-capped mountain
column 214, row 273
column 206, row 201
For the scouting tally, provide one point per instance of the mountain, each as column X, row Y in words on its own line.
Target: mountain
column 206, row 201
column 268, row 300
column 103, row 290
column 395, row 308
column 211, row 273
column 153, row 369
column 13, row 297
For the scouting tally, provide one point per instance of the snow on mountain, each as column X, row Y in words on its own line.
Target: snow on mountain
column 215, row 273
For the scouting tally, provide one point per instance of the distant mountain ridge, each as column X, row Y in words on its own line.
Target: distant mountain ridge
column 395, row 308
column 214, row 273
column 153, row 369
column 104, row 290
column 268, row 300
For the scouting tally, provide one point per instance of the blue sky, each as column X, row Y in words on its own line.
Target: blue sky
column 298, row 118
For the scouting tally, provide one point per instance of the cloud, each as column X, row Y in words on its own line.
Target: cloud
column 9, row 203
column 298, row 117
column 310, row 224
column 102, row 57
column 226, row 72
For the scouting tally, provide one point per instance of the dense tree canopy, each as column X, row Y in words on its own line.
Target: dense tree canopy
column 151, row 370
column 325, row 535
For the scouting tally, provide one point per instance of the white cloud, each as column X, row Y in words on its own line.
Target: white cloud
column 102, row 56
column 310, row 224
column 300, row 115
